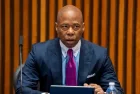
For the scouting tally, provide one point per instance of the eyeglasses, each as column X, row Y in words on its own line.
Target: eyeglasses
column 66, row 27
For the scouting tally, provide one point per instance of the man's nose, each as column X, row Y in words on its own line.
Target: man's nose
column 70, row 31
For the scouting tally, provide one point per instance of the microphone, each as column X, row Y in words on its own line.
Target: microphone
column 20, row 60
column 21, row 41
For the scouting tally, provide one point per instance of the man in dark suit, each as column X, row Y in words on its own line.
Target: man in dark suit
column 68, row 59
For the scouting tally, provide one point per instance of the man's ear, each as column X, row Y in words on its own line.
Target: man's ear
column 56, row 26
column 83, row 27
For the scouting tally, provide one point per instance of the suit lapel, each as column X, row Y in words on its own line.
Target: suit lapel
column 56, row 62
column 85, row 62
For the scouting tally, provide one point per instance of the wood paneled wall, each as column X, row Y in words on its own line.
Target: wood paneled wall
column 114, row 24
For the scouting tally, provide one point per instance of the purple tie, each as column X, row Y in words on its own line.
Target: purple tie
column 70, row 70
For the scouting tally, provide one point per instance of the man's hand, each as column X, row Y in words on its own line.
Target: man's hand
column 98, row 89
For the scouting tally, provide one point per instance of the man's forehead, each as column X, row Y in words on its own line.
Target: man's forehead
column 68, row 11
column 68, row 22
column 70, row 19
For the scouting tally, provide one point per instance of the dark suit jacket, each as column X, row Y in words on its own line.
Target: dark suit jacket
column 44, row 65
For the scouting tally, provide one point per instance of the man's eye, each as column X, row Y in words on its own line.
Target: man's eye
column 76, row 26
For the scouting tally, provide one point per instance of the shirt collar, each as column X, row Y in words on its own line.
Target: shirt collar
column 75, row 49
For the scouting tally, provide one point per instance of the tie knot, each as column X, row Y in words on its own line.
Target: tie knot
column 70, row 53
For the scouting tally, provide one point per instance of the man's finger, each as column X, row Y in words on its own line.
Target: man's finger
column 85, row 84
column 98, row 90
column 95, row 86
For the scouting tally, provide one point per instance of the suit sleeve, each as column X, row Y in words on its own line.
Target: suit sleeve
column 30, row 76
column 108, row 75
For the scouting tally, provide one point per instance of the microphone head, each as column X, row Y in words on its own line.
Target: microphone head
column 21, row 40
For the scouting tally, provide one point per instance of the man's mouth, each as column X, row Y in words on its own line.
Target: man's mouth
column 70, row 41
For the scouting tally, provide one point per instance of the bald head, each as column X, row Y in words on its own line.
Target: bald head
column 69, row 25
column 69, row 10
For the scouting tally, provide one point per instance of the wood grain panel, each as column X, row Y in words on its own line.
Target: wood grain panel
column 78, row 3
column 121, row 41
column 95, row 21
column 86, row 18
column 60, row 4
column 69, row 2
column 52, row 19
column 16, row 34
column 43, row 21
column 104, row 23
column 25, row 29
column 34, row 21
column 7, row 61
column 129, row 47
column 137, row 69
column 110, row 23
column 0, row 46
column 112, row 30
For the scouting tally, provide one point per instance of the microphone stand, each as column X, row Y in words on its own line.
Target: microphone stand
column 20, row 61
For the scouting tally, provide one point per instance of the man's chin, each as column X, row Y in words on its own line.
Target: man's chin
column 70, row 44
